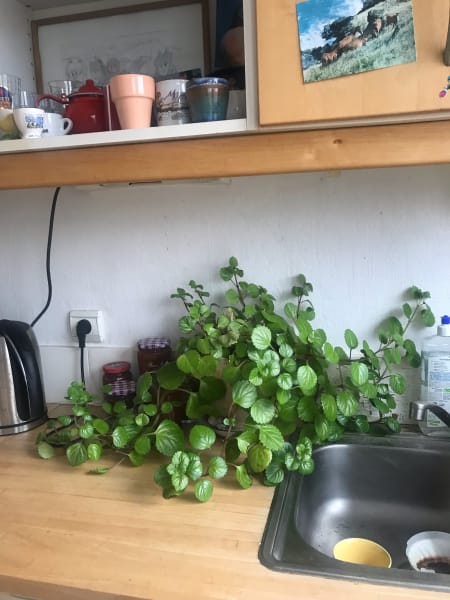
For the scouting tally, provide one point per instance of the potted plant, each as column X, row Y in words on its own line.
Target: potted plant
column 270, row 384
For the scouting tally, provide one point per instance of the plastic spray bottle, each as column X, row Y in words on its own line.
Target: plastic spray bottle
column 435, row 378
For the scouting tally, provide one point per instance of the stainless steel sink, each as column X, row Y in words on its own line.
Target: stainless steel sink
column 384, row 489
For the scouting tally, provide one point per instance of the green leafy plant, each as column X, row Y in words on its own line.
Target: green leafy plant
column 263, row 389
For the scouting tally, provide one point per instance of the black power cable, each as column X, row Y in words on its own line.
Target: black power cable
column 47, row 262
column 83, row 328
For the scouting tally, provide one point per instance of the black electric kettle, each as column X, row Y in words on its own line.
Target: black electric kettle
column 22, row 401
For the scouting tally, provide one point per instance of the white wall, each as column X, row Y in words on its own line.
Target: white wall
column 362, row 238
column 15, row 42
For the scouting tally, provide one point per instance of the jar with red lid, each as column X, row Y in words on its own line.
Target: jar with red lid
column 153, row 353
column 118, row 376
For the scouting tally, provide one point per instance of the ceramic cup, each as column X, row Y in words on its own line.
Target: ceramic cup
column 29, row 121
column 133, row 96
column 56, row 124
column 362, row 551
column 207, row 98
column 171, row 102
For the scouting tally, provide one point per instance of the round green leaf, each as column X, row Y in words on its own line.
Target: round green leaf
column 246, row 439
column 393, row 424
column 150, row 409
column 64, row 420
column 397, row 383
column 307, row 379
column 285, row 381
column 201, row 437
column 243, row 478
column 169, row 438
column 350, row 339
column 261, row 337
column 170, row 377
column 142, row 445
column 86, row 430
column 203, row 490
column 330, row 353
column 101, row 426
column 274, row 473
column 194, row 469
column 359, row 374
column 120, row 437
column 231, row 296
column 321, row 427
column 329, row 406
column 306, row 466
column 347, row 403
column 179, row 481
column 162, row 477
column 136, row 459
column 94, row 451
column 217, row 467
column 45, row 450
column 76, row 454
column 262, row 411
column 142, row 419
column 259, row 457
column 307, row 409
column 271, row 437
column 166, row 408
column 244, row 393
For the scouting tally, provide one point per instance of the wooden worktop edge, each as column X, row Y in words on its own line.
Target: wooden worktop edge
column 377, row 146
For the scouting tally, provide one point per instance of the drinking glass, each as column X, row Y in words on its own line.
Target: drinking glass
column 9, row 87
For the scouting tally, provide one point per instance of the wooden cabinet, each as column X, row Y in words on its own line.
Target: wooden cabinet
column 408, row 91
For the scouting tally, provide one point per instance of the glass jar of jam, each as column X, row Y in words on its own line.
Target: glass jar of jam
column 153, row 353
column 117, row 371
column 118, row 376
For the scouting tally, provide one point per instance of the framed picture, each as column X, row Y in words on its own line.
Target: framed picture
column 159, row 39
column 342, row 37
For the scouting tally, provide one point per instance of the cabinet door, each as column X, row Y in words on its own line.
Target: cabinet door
column 408, row 90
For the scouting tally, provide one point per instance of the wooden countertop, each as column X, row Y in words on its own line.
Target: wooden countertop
column 66, row 535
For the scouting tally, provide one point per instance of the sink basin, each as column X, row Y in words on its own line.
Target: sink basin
column 384, row 489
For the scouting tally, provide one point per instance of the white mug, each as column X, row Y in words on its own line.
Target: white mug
column 56, row 124
column 29, row 121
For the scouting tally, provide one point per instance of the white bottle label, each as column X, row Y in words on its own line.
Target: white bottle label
column 436, row 383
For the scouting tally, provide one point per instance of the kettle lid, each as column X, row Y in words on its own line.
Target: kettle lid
column 88, row 89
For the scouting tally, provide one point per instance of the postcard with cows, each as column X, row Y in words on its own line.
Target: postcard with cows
column 343, row 37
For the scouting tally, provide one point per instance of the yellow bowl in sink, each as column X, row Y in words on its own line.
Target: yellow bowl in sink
column 363, row 552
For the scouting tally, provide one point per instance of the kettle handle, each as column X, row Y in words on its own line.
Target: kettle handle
column 62, row 100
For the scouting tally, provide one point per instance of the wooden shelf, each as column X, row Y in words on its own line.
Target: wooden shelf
column 231, row 156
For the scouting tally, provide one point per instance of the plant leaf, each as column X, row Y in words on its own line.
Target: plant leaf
column 217, row 467
column 350, row 339
column 271, row 437
column 243, row 478
column 169, row 438
column 262, row 411
column 76, row 454
column 202, row 437
column 244, row 394
column 261, row 337
column 45, row 450
column 347, row 403
column 329, row 407
column 307, row 379
column 203, row 490
column 259, row 457
column 359, row 374
column 94, row 451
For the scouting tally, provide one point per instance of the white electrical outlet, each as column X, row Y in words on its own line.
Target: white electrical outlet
column 95, row 318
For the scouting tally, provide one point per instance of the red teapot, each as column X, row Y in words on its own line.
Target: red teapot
column 86, row 108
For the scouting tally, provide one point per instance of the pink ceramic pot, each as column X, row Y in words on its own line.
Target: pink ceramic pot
column 133, row 96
